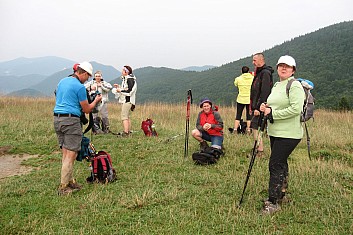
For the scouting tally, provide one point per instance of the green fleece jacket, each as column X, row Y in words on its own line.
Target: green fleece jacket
column 286, row 110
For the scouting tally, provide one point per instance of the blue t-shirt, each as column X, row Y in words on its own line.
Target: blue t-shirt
column 69, row 93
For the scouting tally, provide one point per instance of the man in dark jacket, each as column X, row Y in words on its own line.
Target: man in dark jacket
column 260, row 90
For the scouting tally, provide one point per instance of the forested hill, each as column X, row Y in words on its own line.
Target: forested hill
column 324, row 57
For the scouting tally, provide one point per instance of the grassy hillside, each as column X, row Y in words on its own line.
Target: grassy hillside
column 323, row 57
column 160, row 192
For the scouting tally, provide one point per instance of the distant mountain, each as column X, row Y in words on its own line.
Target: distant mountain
column 27, row 93
column 17, row 73
column 14, row 83
column 41, row 65
column 48, row 85
column 323, row 56
column 199, row 68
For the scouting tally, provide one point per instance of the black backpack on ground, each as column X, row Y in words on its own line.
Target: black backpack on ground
column 242, row 127
column 207, row 156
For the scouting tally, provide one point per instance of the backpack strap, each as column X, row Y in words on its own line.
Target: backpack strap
column 104, row 163
column 289, row 84
column 90, row 115
column 95, row 165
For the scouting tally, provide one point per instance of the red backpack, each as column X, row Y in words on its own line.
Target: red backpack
column 102, row 170
column 148, row 127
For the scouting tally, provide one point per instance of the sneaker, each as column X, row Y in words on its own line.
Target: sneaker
column 74, row 185
column 269, row 208
column 203, row 145
column 64, row 190
column 284, row 200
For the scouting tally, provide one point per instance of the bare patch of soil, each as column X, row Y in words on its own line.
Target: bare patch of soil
column 10, row 165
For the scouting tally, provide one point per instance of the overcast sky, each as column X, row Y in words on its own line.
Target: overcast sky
column 168, row 33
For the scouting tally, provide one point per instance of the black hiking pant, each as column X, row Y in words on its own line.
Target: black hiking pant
column 281, row 148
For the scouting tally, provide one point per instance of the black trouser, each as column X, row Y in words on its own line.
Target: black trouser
column 239, row 113
column 281, row 148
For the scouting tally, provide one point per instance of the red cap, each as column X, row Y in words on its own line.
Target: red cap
column 75, row 67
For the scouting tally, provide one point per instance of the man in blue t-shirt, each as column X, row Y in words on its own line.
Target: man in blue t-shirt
column 71, row 100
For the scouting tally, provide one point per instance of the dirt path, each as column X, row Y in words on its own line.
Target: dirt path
column 10, row 165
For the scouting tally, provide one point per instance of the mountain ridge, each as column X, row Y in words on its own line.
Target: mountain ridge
column 322, row 56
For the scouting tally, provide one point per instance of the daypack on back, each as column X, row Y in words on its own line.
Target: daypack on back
column 148, row 127
column 308, row 108
column 102, row 170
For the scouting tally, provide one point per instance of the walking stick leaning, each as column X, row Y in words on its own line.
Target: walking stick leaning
column 189, row 102
column 307, row 140
column 261, row 126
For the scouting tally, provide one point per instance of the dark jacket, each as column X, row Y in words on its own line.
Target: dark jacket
column 261, row 86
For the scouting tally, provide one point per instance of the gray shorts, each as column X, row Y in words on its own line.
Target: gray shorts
column 69, row 132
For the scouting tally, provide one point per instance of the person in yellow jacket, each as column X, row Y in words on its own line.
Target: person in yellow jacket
column 243, row 82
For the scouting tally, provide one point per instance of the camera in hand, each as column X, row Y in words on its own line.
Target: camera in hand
column 92, row 96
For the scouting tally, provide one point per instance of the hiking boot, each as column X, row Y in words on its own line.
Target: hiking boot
column 98, row 132
column 64, row 190
column 106, row 130
column 284, row 200
column 74, row 185
column 124, row 134
column 223, row 150
column 269, row 208
column 203, row 145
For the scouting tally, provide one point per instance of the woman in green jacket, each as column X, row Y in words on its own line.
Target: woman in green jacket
column 285, row 131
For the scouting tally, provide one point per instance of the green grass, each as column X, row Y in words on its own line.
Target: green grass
column 160, row 192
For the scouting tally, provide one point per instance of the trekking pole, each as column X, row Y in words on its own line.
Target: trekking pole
column 307, row 139
column 189, row 102
column 261, row 126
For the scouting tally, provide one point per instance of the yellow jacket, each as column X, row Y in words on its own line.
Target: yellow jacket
column 243, row 82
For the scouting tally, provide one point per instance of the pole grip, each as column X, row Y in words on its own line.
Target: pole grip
column 263, row 122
